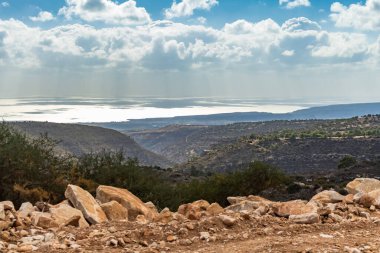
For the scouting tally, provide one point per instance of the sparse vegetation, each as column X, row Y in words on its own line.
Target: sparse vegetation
column 346, row 162
column 31, row 171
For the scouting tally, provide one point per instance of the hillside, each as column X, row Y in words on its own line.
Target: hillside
column 318, row 147
column 181, row 143
column 80, row 139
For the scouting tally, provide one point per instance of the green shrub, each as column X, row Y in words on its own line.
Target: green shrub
column 347, row 162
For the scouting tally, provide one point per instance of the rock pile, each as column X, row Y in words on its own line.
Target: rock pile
column 46, row 227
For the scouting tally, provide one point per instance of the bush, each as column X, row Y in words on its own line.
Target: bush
column 347, row 162
column 31, row 171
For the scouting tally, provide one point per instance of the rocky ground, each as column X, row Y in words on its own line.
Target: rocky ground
column 117, row 221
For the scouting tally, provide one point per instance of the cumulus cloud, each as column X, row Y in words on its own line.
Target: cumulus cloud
column 176, row 46
column 300, row 24
column 291, row 4
column 106, row 11
column 42, row 16
column 187, row 7
column 358, row 16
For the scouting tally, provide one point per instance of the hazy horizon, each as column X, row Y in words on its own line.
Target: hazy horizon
column 290, row 51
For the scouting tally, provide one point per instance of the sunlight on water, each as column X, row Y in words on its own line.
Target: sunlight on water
column 71, row 111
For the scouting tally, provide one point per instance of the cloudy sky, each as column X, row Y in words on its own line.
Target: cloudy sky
column 286, row 49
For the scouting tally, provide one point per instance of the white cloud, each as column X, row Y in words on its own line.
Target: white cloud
column 187, row 7
column 300, row 24
column 291, row 4
column 202, row 20
column 358, row 16
column 288, row 53
column 42, row 16
column 5, row 4
column 106, row 11
column 175, row 46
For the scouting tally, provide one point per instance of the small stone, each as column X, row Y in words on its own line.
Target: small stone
column 25, row 248
column 183, row 231
column 23, row 233
column 121, row 242
column 49, row 237
column 227, row 220
column 190, row 226
column 112, row 230
column 113, row 243
column 185, row 242
column 171, row 238
column 309, row 218
column 204, row 236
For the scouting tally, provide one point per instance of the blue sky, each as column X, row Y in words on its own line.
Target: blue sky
column 287, row 49
column 226, row 11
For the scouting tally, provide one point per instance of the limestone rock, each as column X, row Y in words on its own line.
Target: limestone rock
column 363, row 185
column 4, row 225
column 43, row 220
column 244, row 205
column 348, row 199
column 165, row 216
column 151, row 206
column 64, row 214
column 25, row 210
column 202, row 204
column 132, row 203
column 83, row 201
column 308, row 218
column 8, row 205
column 115, row 211
column 141, row 219
column 2, row 212
column 328, row 197
column 236, row 200
column 294, row 207
column 214, row 209
column 227, row 220
column 190, row 211
column 370, row 199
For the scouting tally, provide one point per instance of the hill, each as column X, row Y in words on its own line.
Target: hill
column 343, row 111
column 81, row 139
column 317, row 148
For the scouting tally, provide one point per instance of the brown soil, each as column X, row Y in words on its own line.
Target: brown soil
column 264, row 234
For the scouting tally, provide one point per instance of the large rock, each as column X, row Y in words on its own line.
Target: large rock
column 244, row 205
column 294, row 207
column 43, row 220
column 253, row 198
column 328, row 197
column 370, row 199
column 83, row 201
column 25, row 210
column 308, row 218
column 214, row 209
column 362, row 185
column 132, row 203
column 115, row 211
column 8, row 205
column 64, row 214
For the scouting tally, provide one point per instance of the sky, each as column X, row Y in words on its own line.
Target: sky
column 288, row 49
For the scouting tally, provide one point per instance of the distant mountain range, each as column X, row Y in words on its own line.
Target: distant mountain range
column 323, row 112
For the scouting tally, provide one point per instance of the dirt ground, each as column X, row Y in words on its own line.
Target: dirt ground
column 267, row 234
